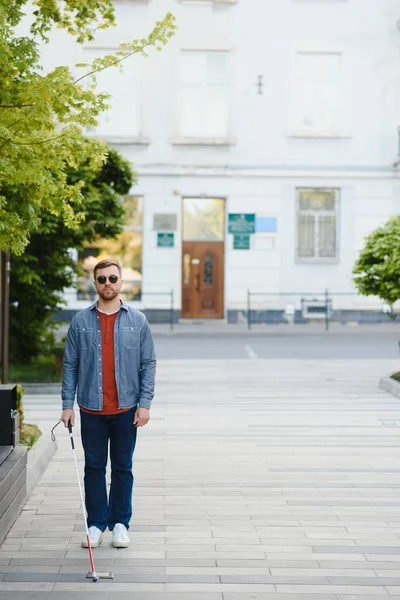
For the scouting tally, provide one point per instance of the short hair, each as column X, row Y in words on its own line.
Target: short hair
column 103, row 264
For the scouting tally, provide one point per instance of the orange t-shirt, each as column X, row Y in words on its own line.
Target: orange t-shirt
column 110, row 392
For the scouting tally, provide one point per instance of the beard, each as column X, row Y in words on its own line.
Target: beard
column 108, row 294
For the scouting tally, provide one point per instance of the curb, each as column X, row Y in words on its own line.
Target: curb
column 39, row 457
column 390, row 385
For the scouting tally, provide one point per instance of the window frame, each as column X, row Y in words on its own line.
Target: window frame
column 339, row 128
column 199, row 138
column 316, row 259
column 79, row 303
column 128, row 136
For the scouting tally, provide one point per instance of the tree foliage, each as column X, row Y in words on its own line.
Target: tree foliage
column 377, row 270
column 46, row 268
column 43, row 116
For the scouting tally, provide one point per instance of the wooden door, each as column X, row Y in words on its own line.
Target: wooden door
column 203, row 280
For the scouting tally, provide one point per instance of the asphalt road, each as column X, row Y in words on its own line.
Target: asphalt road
column 322, row 345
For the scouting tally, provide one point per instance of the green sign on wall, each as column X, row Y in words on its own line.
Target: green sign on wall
column 165, row 240
column 241, row 223
column 241, row 241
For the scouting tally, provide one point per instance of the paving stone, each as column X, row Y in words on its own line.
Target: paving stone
column 168, row 596
column 221, row 588
column 20, row 586
column 109, row 587
column 46, row 595
column 255, row 596
column 355, row 590
column 290, row 492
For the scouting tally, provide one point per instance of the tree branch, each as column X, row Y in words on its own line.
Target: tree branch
column 57, row 137
column 16, row 105
column 113, row 64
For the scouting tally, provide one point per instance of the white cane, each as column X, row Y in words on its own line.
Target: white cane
column 92, row 574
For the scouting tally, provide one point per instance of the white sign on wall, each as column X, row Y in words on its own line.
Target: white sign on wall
column 165, row 221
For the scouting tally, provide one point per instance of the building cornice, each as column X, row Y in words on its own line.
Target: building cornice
column 276, row 171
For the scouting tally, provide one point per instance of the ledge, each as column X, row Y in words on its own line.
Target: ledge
column 390, row 385
column 123, row 140
column 39, row 457
column 317, row 261
column 316, row 135
column 216, row 2
column 13, row 473
column 193, row 141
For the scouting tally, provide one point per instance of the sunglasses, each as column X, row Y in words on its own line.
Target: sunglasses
column 102, row 279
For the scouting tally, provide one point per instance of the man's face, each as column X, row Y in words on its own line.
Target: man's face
column 106, row 289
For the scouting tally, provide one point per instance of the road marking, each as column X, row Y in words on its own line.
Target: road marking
column 250, row 352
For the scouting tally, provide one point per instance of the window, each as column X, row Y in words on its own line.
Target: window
column 123, row 118
column 204, row 100
column 203, row 220
column 126, row 249
column 317, row 228
column 315, row 99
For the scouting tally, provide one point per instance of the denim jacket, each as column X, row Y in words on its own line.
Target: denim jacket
column 135, row 361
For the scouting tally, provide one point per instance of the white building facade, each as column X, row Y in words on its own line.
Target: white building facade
column 265, row 136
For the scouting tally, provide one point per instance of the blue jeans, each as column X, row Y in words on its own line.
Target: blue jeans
column 96, row 432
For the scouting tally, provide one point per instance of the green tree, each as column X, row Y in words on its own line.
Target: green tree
column 377, row 269
column 46, row 268
column 43, row 116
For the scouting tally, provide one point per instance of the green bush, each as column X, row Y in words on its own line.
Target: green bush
column 29, row 434
column 377, row 269
column 41, row 370
column 20, row 404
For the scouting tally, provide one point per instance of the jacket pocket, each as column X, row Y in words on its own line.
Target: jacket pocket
column 132, row 337
column 84, row 337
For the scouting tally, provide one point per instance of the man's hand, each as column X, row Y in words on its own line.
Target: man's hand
column 142, row 416
column 66, row 415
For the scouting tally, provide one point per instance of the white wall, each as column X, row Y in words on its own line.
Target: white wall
column 266, row 159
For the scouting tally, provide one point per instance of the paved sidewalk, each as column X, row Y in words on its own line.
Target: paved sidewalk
column 256, row 480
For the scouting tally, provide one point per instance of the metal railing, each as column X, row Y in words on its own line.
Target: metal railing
column 302, row 307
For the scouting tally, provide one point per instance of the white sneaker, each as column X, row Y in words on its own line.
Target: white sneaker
column 95, row 535
column 120, row 536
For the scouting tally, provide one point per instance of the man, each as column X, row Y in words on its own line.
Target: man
column 109, row 361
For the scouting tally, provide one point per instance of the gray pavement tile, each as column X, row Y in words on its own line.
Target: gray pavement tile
column 117, row 570
column 34, row 554
column 37, row 562
column 221, row 588
column 4, row 561
column 274, row 579
column 354, row 597
column 42, row 577
column 255, row 596
column 190, row 562
column 167, row 596
column 119, row 577
column 356, row 590
column 27, row 569
column 364, row 573
column 21, row 586
column 265, row 563
column 132, row 588
column 357, row 549
column 49, row 595
column 291, row 481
